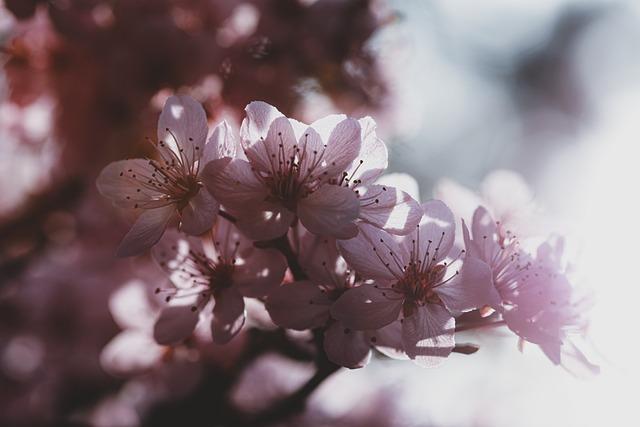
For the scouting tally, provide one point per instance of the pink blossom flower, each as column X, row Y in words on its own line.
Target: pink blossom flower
column 539, row 302
column 306, row 304
column 503, row 193
column 211, row 277
column 170, row 187
column 416, row 287
column 322, row 174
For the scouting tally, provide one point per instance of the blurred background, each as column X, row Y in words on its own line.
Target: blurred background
column 459, row 88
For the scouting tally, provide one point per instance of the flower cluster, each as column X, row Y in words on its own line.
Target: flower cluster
column 301, row 218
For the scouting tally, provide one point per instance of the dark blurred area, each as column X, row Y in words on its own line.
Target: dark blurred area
column 82, row 85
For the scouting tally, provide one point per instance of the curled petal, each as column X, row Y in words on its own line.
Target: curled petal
column 346, row 347
column 330, row 211
column 299, row 305
column 221, row 144
column 472, row 288
column 146, row 231
column 428, row 335
column 389, row 208
column 199, row 214
column 367, row 307
column 372, row 159
column 228, row 315
column 182, row 129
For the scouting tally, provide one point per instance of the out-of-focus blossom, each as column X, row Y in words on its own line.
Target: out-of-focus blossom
column 503, row 193
column 170, row 186
column 323, row 174
column 133, row 350
column 211, row 280
column 538, row 301
column 417, row 288
column 306, row 304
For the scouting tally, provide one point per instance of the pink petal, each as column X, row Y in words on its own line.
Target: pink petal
column 199, row 214
column 221, row 144
column 374, row 254
column 436, row 226
column 146, row 231
column 280, row 142
column 388, row 341
column 330, row 211
column 342, row 145
column 298, row 305
column 372, row 159
column 483, row 225
column 256, row 125
column 176, row 322
column 319, row 257
column 264, row 221
column 389, row 208
column 471, row 289
column 367, row 307
column 403, row 182
column 129, row 353
column 228, row 316
column 130, row 306
column 346, row 347
column 259, row 272
column 235, row 185
column 428, row 335
column 118, row 182
column 182, row 127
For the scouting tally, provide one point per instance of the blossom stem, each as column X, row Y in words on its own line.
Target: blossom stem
column 480, row 325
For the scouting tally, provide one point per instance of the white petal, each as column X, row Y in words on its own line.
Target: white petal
column 506, row 191
column 146, row 231
column 279, row 145
column 346, row 347
column 256, row 125
column 221, row 144
column 130, row 352
column 330, row 211
column 436, row 226
column 372, row 160
column 320, row 259
column 342, row 146
column 428, row 335
column 388, row 340
column 228, row 316
column 298, row 305
column 461, row 200
column 483, row 225
column 182, row 128
column 367, row 307
column 130, row 306
column 173, row 255
column 389, row 208
column 264, row 221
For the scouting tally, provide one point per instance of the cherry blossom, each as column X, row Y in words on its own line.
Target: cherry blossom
column 211, row 279
column 306, row 304
column 322, row 174
column 170, row 187
column 416, row 288
column 539, row 303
